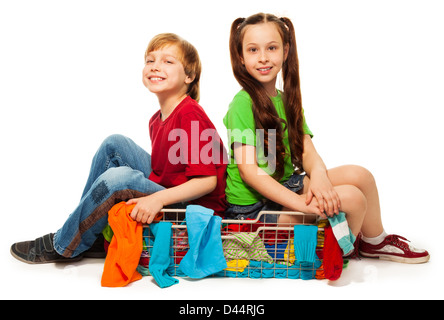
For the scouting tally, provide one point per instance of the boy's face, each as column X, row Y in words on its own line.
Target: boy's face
column 164, row 74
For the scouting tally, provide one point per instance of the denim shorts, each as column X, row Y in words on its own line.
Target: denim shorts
column 251, row 211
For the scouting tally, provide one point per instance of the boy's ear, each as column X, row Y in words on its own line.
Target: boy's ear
column 189, row 79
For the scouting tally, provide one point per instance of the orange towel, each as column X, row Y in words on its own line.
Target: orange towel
column 125, row 248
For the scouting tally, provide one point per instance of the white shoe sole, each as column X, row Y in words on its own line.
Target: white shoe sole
column 389, row 257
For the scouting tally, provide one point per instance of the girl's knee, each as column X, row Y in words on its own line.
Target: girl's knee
column 359, row 176
column 352, row 199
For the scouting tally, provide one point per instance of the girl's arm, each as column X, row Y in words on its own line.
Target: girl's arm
column 271, row 189
column 320, row 186
column 147, row 207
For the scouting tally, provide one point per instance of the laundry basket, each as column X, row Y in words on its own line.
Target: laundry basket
column 252, row 249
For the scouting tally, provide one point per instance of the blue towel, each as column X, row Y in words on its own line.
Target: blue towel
column 276, row 251
column 161, row 256
column 305, row 242
column 342, row 232
column 308, row 270
column 205, row 256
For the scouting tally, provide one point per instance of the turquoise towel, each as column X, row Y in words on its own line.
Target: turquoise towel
column 342, row 232
column 205, row 256
column 305, row 241
column 161, row 255
column 263, row 269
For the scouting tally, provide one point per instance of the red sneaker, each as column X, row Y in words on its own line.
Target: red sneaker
column 394, row 248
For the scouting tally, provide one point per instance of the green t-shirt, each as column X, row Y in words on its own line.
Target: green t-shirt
column 241, row 128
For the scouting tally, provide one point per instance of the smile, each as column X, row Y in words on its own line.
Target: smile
column 264, row 70
column 156, row 79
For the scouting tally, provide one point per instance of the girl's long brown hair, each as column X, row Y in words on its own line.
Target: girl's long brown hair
column 264, row 112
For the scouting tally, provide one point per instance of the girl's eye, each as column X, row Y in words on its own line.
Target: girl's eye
column 272, row 48
column 253, row 50
column 149, row 61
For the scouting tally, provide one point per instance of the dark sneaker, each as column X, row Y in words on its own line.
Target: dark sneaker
column 394, row 248
column 97, row 250
column 41, row 250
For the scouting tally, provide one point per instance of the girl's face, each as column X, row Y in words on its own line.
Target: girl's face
column 164, row 74
column 263, row 53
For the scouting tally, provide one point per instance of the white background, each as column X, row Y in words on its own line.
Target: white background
column 372, row 82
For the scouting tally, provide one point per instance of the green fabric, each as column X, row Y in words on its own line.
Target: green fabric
column 246, row 245
column 108, row 233
column 241, row 128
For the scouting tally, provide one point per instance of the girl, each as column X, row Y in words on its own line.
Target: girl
column 123, row 171
column 271, row 146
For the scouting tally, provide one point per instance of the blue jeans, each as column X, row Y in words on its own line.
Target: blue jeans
column 241, row 212
column 119, row 172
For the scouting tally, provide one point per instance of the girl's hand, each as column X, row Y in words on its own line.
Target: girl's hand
column 312, row 207
column 146, row 208
column 321, row 189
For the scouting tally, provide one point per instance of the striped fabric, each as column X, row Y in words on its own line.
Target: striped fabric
column 342, row 233
column 246, row 245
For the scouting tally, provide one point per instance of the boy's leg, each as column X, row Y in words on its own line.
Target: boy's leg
column 80, row 230
column 91, row 216
column 118, row 151
column 86, row 223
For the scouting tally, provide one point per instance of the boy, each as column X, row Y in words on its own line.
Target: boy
column 185, row 166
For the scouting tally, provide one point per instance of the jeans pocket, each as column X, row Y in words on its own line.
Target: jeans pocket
column 295, row 183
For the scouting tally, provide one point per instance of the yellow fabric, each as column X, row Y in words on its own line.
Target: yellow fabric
column 237, row 265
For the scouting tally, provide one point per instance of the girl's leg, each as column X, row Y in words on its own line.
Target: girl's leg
column 357, row 190
column 362, row 179
column 353, row 202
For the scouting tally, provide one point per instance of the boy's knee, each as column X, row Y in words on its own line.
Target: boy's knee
column 114, row 140
column 117, row 177
column 111, row 181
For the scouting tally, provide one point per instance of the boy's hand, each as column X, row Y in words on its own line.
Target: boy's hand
column 146, row 208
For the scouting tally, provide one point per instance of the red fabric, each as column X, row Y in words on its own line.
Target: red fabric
column 333, row 260
column 125, row 248
column 270, row 237
column 184, row 135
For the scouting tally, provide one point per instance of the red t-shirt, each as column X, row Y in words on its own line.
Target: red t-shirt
column 185, row 145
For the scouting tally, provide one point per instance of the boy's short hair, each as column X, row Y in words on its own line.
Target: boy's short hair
column 188, row 56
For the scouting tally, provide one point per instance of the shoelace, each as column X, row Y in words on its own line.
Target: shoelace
column 395, row 240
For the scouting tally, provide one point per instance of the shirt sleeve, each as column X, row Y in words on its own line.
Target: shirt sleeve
column 202, row 142
column 239, row 121
column 305, row 126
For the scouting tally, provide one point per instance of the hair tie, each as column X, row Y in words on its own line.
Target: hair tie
column 284, row 20
column 240, row 20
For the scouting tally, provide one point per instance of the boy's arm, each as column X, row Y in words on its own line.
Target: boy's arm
column 147, row 207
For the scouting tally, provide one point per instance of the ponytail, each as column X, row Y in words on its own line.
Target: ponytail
column 293, row 97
